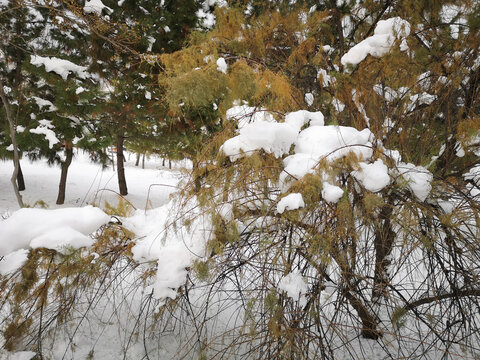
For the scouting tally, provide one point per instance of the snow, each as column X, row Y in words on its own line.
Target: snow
column 300, row 118
column 59, row 66
column 418, row 179
column 309, row 98
column 222, row 65
column 295, row 287
column 174, row 249
column 374, row 177
column 245, row 114
column 45, row 128
column 385, row 34
column 274, row 138
column 20, row 355
column 90, row 183
column 13, row 261
column 292, row 201
column 44, row 103
column 331, row 193
column 50, row 228
column 329, row 142
column 95, row 7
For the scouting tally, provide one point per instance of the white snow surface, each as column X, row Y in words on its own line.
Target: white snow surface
column 45, row 128
column 60, row 66
column 329, row 142
column 95, row 7
column 292, row 201
column 385, row 34
column 374, row 177
column 295, row 287
column 52, row 229
column 222, row 65
column 331, row 193
column 13, row 261
column 418, row 179
column 173, row 248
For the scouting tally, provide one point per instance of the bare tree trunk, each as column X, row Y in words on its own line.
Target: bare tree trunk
column 163, row 162
column 63, row 177
column 169, row 163
column 122, row 183
column 16, row 158
column 20, row 179
column 138, row 159
column 143, row 161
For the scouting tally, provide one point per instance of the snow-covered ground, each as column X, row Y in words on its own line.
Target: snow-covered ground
column 86, row 181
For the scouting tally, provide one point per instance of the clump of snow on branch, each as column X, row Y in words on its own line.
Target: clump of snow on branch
column 95, row 7
column 385, row 34
column 45, row 128
column 418, row 179
column 51, row 229
column 60, row 66
column 331, row 193
column 222, row 65
column 374, row 177
column 174, row 249
column 295, row 287
column 290, row 202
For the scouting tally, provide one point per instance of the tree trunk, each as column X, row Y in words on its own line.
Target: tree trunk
column 163, row 162
column 122, row 183
column 143, row 161
column 169, row 163
column 20, row 179
column 16, row 158
column 63, row 177
column 138, row 159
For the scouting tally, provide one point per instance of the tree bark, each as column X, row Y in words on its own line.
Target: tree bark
column 63, row 177
column 16, row 158
column 137, row 161
column 20, row 179
column 122, row 183
column 143, row 161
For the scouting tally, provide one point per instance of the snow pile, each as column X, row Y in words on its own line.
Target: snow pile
column 13, row 261
column 290, row 202
column 245, row 114
column 45, row 128
column 418, row 179
column 331, row 193
column 59, row 66
column 44, row 103
column 222, row 65
column 51, row 229
column 95, row 7
column 264, row 133
column 173, row 248
column 385, row 34
column 295, row 287
column 374, row 177
column 324, row 142
column 274, row 138
column 309, row 98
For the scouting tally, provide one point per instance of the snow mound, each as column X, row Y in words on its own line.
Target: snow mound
column 173, row 248
column 295, row 287
column 95, row 7
column 59, row 66
column 418, row 179
column 331, row 193
column 51, row 229
column 374, row 177
column 385, row 34
column 290, row 202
